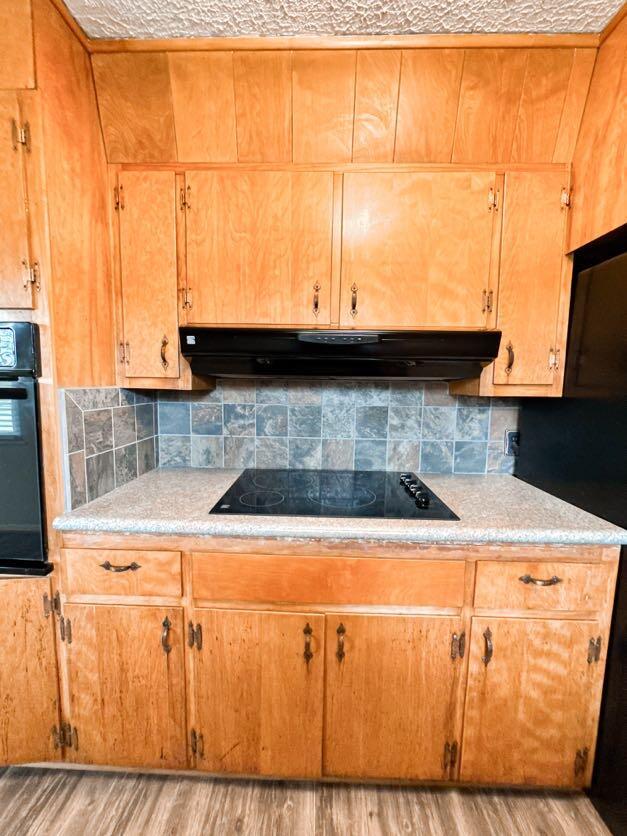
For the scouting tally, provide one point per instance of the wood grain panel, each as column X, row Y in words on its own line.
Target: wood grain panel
column 258, row 704
column 581, row 587
column 28, row 673
column 17, row 60
column 257, row 244
column 127, row 696
column 541, row 104
column 599, row 197
column 263, row 102
column 391, row 701
column 323, row 95
column 427, row 105
column 135, row 104
column 376, row 101
column 158, row 573
column 203, row 102
column 530, row 275
column 328, row 580
column 407, row 250
column 491, row 87
column 533, row 706
column 572, row 112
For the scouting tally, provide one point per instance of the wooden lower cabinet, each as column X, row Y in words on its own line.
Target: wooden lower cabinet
column 125, row 666
column 257, row 701
column 392, row 696
column 29, row 706
column 532, row 702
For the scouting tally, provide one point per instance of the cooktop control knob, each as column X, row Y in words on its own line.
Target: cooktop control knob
column 422, row 499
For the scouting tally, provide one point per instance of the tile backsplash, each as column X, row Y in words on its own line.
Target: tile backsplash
column 114, row 435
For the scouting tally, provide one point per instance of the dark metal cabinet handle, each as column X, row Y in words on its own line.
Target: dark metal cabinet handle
column 510, row 358
column 316, row 299
column 489, row 647
column 164, row 345
column 354, row 290
column 308, row 653
column 111, row 567
column 166, row 624
column 540, row 581
column 127, row 353
column 341, row 632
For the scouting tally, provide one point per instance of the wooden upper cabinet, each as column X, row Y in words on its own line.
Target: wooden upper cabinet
column 257, row 699
column 531, row 272
column 376, row 103
column 148, row 266
column 127, row 694
column 15, row 287
column 532, row 707
column 17, row 59
column 416, row 249
column 28, row 673
column 392, row 696
column 259, row 247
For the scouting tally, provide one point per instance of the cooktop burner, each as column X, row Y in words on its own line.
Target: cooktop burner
column 333, row 493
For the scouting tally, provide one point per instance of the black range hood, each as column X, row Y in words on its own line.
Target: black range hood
column 269, row 352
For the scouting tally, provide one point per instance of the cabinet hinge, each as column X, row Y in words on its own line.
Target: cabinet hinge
column 450, row 756
column 458, row 645
column 554, row 358
column 66, row 736
column 493, row 199
column 118, row 197
column 565, row 198
column 594, row 650
column 197, row 743
column 581, row 760
column 20, row 135
column 194, row 635
column 187, row 298
column 487, row 297
column 32, row 274
column 185, row 198
column 47, row 605
column 65, row 630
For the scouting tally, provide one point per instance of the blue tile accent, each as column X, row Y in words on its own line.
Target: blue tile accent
column 371, row 422
column 436, row 457
column 370, row 455
column 174, row 419
column 206, row 419
column 470, row 456
column 305, row 453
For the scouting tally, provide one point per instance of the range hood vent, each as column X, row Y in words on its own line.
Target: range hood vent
column 289, row 353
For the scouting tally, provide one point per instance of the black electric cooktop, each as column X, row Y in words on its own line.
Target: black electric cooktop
column 333, row 493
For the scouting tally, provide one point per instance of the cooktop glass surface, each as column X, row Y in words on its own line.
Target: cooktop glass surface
column 333, row 493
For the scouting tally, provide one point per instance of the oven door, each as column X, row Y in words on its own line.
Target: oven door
column 21, row 530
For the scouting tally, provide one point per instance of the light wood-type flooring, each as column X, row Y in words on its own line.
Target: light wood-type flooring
column 52, row 802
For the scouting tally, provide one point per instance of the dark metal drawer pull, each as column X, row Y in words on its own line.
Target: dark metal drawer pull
column 540, row 581
column 308, row 653
column 110, row 567
column 341, row 631
column 166, row 624
column 489, row 647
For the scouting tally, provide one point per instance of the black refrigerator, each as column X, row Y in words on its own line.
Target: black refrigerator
column 574, row 447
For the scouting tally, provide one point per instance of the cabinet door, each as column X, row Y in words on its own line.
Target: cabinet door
column 127, row 694
column 17, row 60
column 28, row 673
column 259, row 247
column 257, row 700
column 530, row 276
column 533, row 706
column 416, row 249
column 15, row 288
column 149, row 273
column 393, row 701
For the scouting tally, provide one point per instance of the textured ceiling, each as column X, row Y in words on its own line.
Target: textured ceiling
column 195, row 18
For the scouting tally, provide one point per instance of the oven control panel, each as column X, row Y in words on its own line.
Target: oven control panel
column 8, row 349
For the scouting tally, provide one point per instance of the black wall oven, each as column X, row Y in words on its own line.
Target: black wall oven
column 22, row 544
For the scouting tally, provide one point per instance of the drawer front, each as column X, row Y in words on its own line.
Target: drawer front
column 120, row 572
column 578, row 587
column 328, row 580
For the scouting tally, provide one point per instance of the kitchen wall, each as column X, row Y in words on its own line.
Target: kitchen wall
column 114, row 435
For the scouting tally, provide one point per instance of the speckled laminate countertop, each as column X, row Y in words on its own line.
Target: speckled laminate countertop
column 497, row 509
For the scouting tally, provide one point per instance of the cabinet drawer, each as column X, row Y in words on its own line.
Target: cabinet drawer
column 118, row 572
column 542, row 586
column 328, row 580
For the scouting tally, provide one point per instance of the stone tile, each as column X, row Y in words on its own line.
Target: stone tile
column 271, row 420
column 78, row 484
column 438, row 423
column 406, row 393
column 124, row 431
column 271, row 391
column 239, row 419
column 370, row 455
column 497, row 461
column 502, row 420
column 100, row 475
column 95, row 398
column 371, row 422
column 239, row 452
column 338, row 453
column 271, row 452
column 140, row 395
column 206, row 418
column 305, row 421
column 146, row 456
column 436, row 394
column 338, row 420
column 127, row 397
column 238, row 391
column 207, row 451
column 473, row 400
column 175, row 451
column 145, row 420
column 125, row 464
column 338, row 392
column 436, row 457
column 74, row 426
column 98, row 431
column 403, row 455
column 174, row 419
column 472, row 423
column 369, row 393
column 304, row 392
column 305, row 453
column 470, row 456
column 405, row 423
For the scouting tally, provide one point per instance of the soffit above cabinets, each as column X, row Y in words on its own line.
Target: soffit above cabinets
column 229, row 18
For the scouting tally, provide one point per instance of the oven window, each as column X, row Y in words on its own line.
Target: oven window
column 9, row 419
